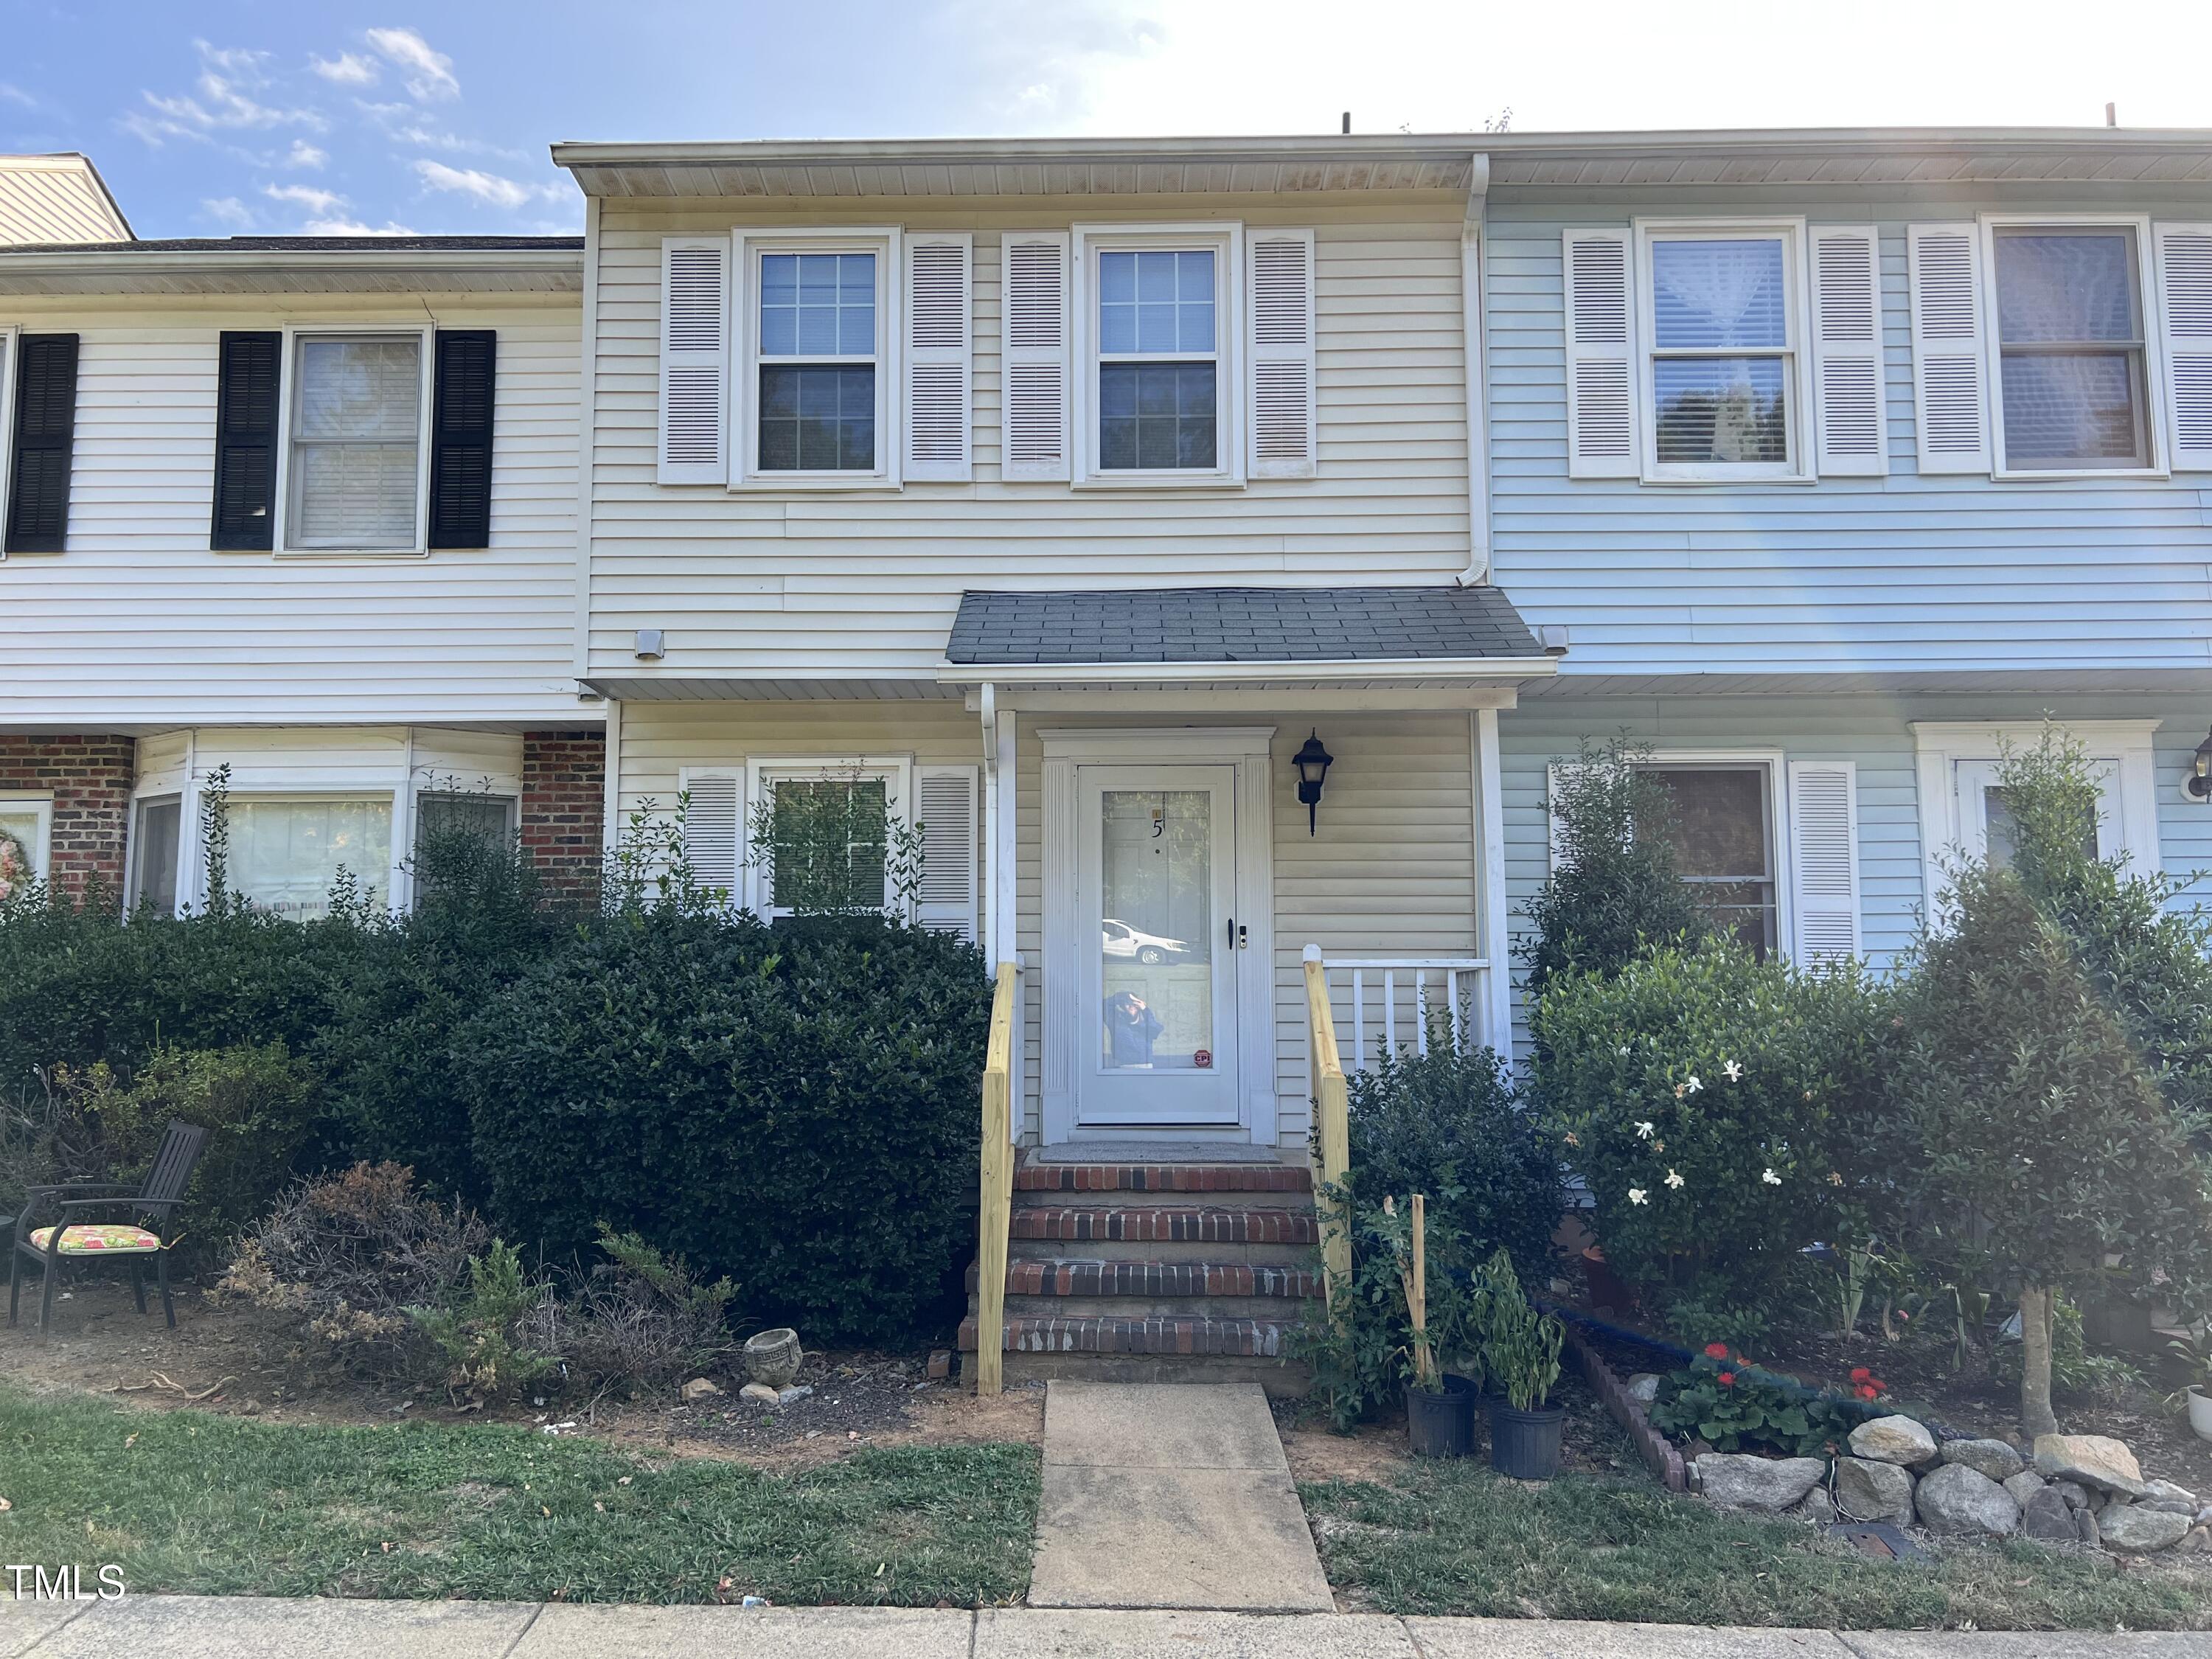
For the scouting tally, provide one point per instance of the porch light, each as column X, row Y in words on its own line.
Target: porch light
column 2199, row 783
column 1313, row 763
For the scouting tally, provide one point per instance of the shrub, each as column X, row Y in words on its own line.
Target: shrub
column 642, row 1320
column 1722, row 1399
column 1446, row 1123
column 1613, row 891
column 476, row 1332
column 1520, row 1347
column 795, row 1106
column 1361, row 1346
column 1718, row 1108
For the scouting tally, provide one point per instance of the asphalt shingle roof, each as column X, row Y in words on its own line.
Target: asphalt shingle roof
column 1238, row 624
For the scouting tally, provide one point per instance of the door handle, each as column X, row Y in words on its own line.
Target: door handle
column 1239, row 938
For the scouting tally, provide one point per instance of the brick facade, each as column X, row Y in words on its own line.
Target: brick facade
column 564, row 780
column 89, row 776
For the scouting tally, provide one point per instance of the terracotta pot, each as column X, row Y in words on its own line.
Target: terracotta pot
column 773, row 1357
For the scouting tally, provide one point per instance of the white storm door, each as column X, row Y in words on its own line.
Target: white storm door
column 1156, row 981
column 1985, row 826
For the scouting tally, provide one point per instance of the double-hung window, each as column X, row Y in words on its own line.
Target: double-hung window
column 1723, row 371
column 1158, row 312
column 821, row 833
column 816, row 383
column 2074, row 387
column 356, row 449
column 1724, row 838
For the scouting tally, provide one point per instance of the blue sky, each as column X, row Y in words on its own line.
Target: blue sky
column 216, row 117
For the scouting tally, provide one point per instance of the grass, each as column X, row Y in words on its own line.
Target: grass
column 1456, row 1539
column 190, row 1501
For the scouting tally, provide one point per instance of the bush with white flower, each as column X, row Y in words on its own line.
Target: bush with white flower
column 1719, row 1109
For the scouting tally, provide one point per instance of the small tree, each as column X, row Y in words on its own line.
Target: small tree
column 834, row 846
column 2045, row 1147
column 1614, row 889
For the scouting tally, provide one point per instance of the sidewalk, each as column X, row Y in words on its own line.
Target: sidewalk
column 245, row 1628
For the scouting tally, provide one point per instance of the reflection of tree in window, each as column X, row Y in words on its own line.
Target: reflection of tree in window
column 1723, row 849
column 828, row 841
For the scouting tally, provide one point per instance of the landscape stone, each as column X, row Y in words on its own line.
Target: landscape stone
column 1815, row 1506
column 1991, row 1457
column 2165, row 1492
column 2139, row 1529
column 2075, row 1494
column 2024, row 1484
column 2046, row 1516
column 1643, row 1388
column 759, row 1391
column 699, row 1388
column 1870, row 1491
column 2085, row 1522
column 1735, row 1480
column 1901, row 1440
column 1957, row 1499
column 2094, row 1460
column 2196, row 1541
column 797, row 1391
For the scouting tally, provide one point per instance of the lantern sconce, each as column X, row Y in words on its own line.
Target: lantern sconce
column 1313, row 763
column 2199, row 782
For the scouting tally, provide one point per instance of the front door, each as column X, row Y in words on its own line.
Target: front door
column 1155, row 884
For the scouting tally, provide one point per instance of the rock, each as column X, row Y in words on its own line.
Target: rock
column 760, row 1391
column 1643, row 1388
column 1990, row 1457
column 940, row 1364
column 2171, row 1506
column 785, row 1396
column 2139, row 1529
column 773, row 1357
column 2101, row 1501
column 2085, row 1522
column 2075, row 1494
column 2046, row 1516
column 1870, row 1491
column 1735, row 1480
column 2024, row 1484
column 1960, row 1500
column 2198, row 1541
column 2094, row 1460
column 699, row 1388
column 1899, row 1440
column 2175, row 1500
column 1815, row 1506
column 2204, row 1515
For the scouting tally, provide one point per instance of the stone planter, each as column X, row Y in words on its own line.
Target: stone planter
column 773, row 1357
column 2200, row 1411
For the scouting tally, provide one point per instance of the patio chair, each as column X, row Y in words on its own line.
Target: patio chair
column 146, row 1228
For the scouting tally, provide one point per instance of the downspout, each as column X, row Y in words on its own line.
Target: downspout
column 1477, row 334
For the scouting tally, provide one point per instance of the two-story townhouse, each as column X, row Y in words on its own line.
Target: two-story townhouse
column 302, row 508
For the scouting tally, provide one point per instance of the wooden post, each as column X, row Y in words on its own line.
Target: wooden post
column 1331, row 1100
column 996, row 1211
column 1416, row 1298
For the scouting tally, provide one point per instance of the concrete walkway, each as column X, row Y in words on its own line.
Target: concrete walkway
column 223, row 1627
column 1170, row 1495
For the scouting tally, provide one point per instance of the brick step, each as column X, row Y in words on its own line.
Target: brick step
column 1153, row 1223
column 1090, row 1277
column 1284, row 1178
column 1187, row 1335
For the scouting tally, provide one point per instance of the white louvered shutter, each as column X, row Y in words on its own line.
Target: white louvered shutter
column 715, row 830
column 1601, row 355
column 695, row 360
column 945, row 805
column 938, row 357
column 1034, row 366
column 2184, row 309
column 1281, row 307
column 1847, row 378
column 1950, row 369
column 1824, row 862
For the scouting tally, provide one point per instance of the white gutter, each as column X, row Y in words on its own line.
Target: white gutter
column 1013, row 676
column 72, row 264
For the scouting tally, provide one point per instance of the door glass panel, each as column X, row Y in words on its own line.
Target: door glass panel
column 1156, row 929
column 2004, row 829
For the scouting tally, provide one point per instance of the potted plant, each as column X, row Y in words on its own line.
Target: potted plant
column 2197, row 1355
column 1439, row 1420
column 1521, row 1352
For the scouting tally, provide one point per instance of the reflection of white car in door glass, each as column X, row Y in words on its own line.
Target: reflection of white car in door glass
column 1118, row 939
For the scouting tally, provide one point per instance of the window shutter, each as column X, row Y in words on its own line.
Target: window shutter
column 1280, row 282
column 1847, row 369
column 46, row 427
column 1824, row 862
column 1950, row 370
column 695, row 360
column 2184, row 309
column 945, row 805
column 1601, row 355
column 248, row 376
column 714, row 830
column 938, row 357
column 461, row 437
column 1033, row 306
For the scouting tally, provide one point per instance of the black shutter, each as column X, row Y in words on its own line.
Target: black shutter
column 45, row 424
column 248, row 376
column 460, row 438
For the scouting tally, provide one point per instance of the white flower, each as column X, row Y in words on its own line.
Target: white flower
column 1771, row 1179
column 1693, row 1085
column 1673, row 1178
column 1623, row 1049
column 1638, row 1195
column 1644, row 1129
column 1734, row 1070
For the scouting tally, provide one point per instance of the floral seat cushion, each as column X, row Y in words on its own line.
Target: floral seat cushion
column 100, row 1241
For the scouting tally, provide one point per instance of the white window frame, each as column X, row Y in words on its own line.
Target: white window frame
column 2130, row 799
column 42, row 854
column 187, row 834
column 1779, row 846
column 1224, row 239
column 289, row 388
column 1802, row 466
column 746, row 249
column 764, row 772
column 2147, row 311
column 11, row 335
column 513, row 803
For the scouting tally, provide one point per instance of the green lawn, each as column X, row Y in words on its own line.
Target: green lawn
column 1456, row 1539
column 189, row 1501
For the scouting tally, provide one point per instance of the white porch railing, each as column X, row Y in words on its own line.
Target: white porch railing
column 1383, row 1002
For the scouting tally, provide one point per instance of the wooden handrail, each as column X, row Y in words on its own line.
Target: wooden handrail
column 1331, row 1106
column 996, row 1173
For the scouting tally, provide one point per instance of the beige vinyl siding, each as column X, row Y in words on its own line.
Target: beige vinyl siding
column 55, row 198
column 854, row 583
column 139, row 623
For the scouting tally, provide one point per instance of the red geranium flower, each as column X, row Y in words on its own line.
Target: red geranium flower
column 1728, row 1379
column 1860, row 1373
column 1716, row 1351
column 1868, row 1391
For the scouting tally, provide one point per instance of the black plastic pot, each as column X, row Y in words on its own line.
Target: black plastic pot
column 1525, row 1444
column 1439, row 1423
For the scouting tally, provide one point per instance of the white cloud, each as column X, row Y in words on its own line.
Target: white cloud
column 220, row 100
column 486, row 187
column 305, row 196
column 348, row 68
column 305, row 154
column 427, row 73
column 13, row 95
column 352, row 228
column 228, row 210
